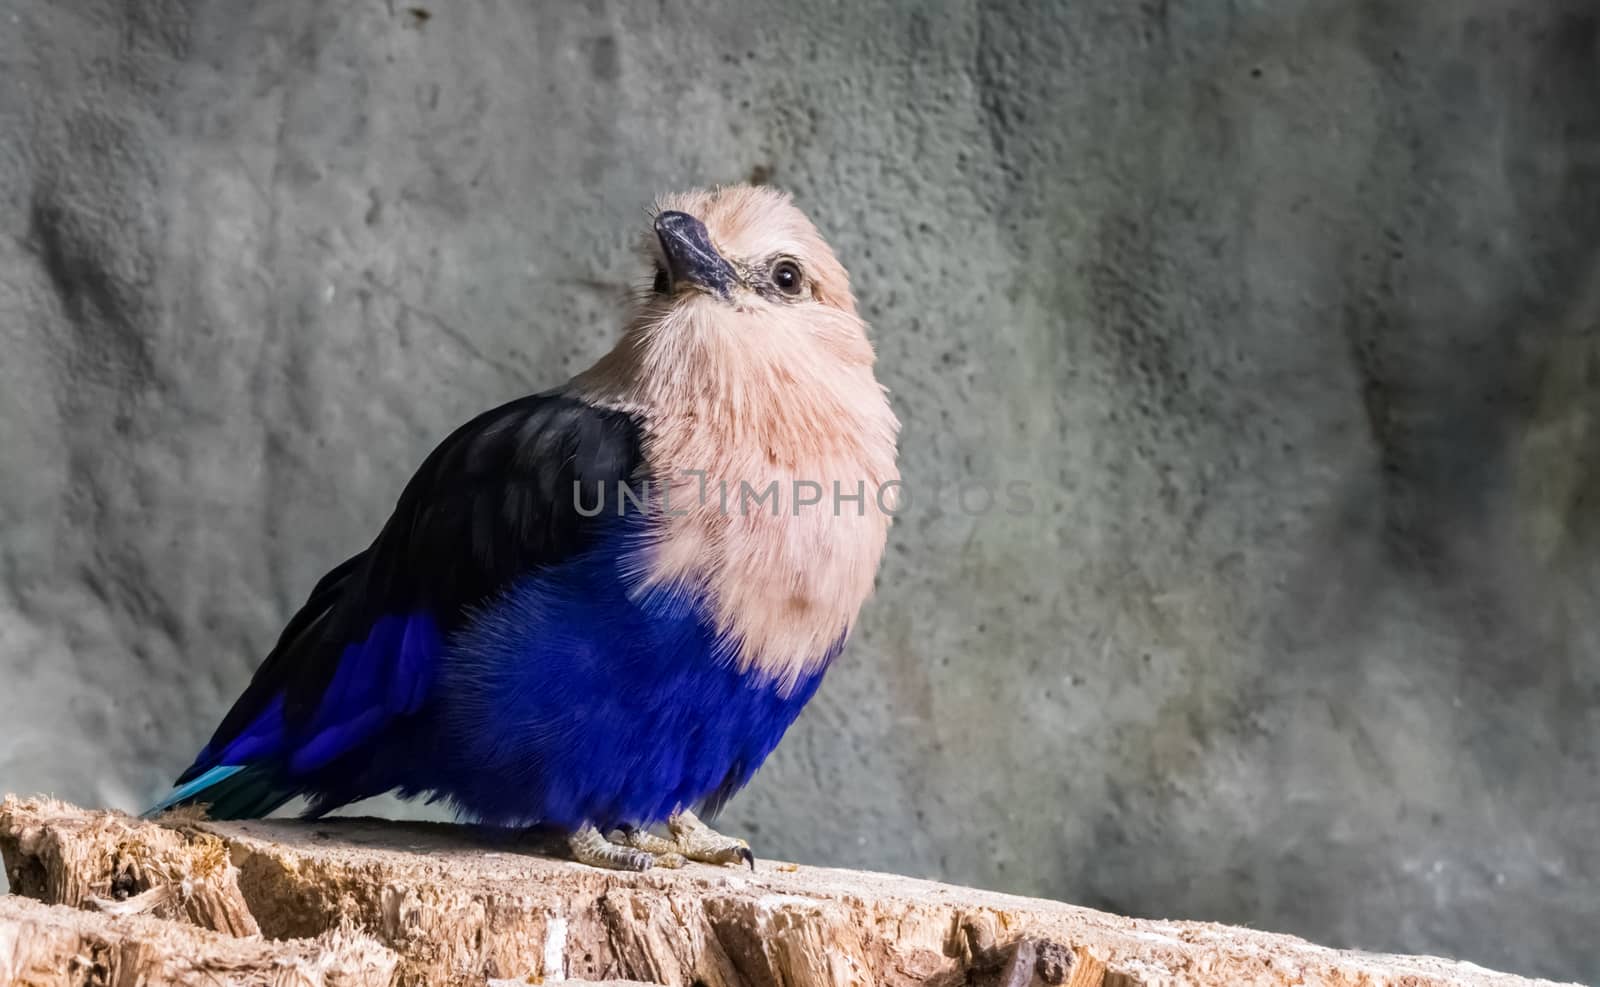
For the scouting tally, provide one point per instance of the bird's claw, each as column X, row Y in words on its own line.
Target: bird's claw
column 697, row 841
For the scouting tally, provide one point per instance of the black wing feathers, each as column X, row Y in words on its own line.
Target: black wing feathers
column 493, row 503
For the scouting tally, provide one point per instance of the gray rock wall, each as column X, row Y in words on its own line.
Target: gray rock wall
column 1286, row 312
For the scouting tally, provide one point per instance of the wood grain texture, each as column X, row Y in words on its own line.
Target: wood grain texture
column 452, row 907
column 56, row 946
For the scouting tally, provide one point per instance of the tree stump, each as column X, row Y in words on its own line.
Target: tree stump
column 354, row 902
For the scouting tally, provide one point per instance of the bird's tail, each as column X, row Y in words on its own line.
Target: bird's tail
column 229, row 791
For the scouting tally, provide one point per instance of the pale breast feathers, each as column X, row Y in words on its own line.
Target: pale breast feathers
column 747, row 407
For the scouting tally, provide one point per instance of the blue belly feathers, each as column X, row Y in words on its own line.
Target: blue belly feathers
column 576, row 703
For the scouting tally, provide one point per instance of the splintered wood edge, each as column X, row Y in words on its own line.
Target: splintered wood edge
column 457, row 908
column 54, row 946
column 107, row 860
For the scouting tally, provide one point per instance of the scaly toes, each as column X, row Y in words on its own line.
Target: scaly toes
column 732, row 853
column 638, row 849
column 643, row 839
column 714, row 848
column 697, row 841
column 665, row 852
column 589, row 846
column 671, row 861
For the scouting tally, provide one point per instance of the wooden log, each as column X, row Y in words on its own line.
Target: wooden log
column 56, row 946
column 458, row 907
column 113, row 863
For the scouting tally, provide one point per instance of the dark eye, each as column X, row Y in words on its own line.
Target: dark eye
column 786, row 275
column 663, row 283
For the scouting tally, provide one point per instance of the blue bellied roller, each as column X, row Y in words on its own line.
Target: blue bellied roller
column 599, row 608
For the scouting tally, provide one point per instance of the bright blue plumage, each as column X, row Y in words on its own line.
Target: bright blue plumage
column 567, row 700
column 602, row 708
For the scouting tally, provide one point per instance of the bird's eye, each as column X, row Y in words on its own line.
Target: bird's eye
column 786, row 275
column 663, row 283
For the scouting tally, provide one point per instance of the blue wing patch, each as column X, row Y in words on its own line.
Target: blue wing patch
column 383, row 677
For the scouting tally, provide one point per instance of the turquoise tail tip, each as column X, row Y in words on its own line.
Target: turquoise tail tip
column 188, row 791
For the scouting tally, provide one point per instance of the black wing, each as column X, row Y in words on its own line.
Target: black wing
column 494, row 502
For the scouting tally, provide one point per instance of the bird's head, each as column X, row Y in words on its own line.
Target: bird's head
column 747, row 247
column 744, row 325
column 740, row 281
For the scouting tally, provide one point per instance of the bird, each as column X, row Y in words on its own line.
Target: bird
column 598, row 608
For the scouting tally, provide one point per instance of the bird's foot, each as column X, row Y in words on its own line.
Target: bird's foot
column 590, row 846
column 697, row 841
column 665, row 852
column 639, row 850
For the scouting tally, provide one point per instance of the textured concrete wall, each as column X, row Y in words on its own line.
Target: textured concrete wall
column 1287, row 311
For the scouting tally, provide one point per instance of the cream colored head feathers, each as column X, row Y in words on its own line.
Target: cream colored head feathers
column 747, row 364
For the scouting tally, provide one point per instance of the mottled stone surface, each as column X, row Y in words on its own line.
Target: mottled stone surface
column 1285, row 313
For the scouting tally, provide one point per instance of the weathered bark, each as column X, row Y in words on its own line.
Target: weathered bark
column 456, row 907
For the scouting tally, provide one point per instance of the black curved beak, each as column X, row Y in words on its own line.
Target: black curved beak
column 691, row 259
